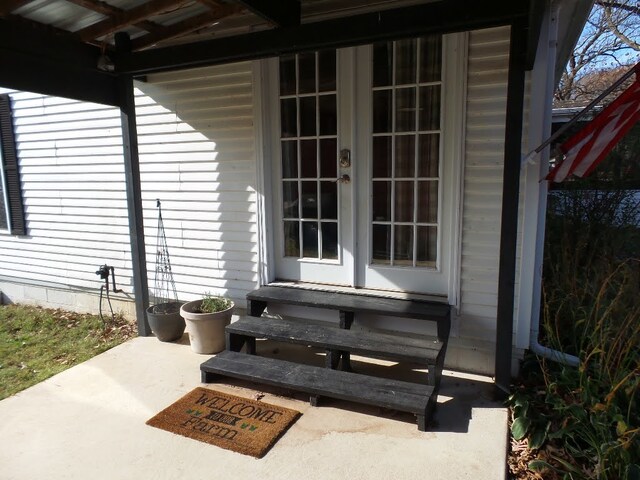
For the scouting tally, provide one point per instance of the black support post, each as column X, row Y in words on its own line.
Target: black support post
column 134, row 196
column 510, row 195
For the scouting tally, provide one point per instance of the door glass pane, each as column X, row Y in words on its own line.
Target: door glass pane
column 327, row 70
column 404, row 202
column 382, row 111
column 405, row 110
column 291, row 239
column 381, row 244
column 310, row 239
column 288, row 118
column 431, row 58
column 308, row 158
column 427, row 246
column 329, row 240
column 309, row 144
column 328, row 158
column 382, row 64
column 290, row 199
column 307, row 72
column 381, row 201
column 288, row 75
column 403, row 245
column 308, row 116
column 405, row 151
column 328, row 115
column 405, row 155
column 429, row 108
column 329, row 200
column 429, row 155
column 289, row 159
column 406, row 61
column 428, row 202
column 382, row 157
column 309, row 199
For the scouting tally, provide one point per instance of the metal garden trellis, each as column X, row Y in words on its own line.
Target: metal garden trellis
column 164, row 316
column 165, row 294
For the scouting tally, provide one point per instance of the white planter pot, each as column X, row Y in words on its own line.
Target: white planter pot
column 206, row 330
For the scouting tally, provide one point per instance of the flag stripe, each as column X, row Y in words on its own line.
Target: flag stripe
column 587, row 148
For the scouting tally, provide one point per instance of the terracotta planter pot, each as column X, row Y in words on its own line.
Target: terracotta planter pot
column 206, row 330
column 165, row 321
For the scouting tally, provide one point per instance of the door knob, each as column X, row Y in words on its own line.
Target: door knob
column 344, row 179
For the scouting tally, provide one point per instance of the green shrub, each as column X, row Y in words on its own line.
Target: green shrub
column 585, row 421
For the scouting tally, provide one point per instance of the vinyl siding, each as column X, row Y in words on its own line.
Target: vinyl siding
column 488, row 64
column 72, row 172
column 197, row 155
column 196, row 144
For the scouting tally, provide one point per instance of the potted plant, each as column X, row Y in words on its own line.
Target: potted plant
column 206, row 320
column 164, row 317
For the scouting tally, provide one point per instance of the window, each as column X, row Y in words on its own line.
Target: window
column 308, row 141
column 407, row 89
column 11, row 204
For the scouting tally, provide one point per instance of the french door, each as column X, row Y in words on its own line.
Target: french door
column 363, row 168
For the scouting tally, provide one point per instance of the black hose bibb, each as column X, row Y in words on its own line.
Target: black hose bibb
column 103, row 273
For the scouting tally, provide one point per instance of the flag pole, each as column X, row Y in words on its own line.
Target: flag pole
column 582, row 113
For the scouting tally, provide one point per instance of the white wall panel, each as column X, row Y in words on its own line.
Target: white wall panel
column 486, row 107
column 196, row 155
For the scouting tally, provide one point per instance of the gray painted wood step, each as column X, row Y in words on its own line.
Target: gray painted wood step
column 368, row 344
column 352, row 303
column 393, row 394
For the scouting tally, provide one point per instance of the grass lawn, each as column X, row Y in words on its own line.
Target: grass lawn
column 37, row 343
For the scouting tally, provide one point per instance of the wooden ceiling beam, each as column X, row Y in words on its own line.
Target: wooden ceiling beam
column 127, row 17
column 210, row 3
column 283, row 13
column 48, row 76
column 404, row 22
column 182, row 28
column 109, row 10
column 32, row 38
column 8, row 6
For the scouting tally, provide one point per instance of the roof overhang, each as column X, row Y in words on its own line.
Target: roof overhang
column 41, row 57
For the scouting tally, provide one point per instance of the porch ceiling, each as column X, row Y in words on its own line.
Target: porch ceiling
column 68, row 47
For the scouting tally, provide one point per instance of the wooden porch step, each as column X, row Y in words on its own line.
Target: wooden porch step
column 393, row 394
column 396, row 307
column 368, row 344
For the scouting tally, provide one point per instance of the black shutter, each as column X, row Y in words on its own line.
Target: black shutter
column 11, row 172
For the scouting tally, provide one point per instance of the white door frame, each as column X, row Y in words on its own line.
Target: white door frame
column 454, row 97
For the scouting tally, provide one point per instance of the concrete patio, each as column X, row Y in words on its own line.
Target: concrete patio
column 89, row 423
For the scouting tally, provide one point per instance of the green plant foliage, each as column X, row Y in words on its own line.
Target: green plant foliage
column 214, row 303
column 585, row 421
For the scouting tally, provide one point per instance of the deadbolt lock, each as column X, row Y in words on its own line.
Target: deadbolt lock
column 345, row 158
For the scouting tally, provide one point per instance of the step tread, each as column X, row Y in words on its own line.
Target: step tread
column 372, row 344
column 352, row 303
column 382, row 392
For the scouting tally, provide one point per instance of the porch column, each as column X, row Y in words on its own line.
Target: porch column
column 134, row 196
column 510, row 197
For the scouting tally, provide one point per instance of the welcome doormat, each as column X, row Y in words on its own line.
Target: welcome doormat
column 239, row 424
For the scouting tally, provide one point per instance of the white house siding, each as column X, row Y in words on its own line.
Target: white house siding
column 71, row 166
column 197, row 155
column 488, row 64
column 196, row 143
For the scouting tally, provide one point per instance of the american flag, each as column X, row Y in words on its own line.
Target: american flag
column 587, row 148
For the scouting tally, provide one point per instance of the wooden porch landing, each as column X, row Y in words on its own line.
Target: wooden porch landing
column 339, row 343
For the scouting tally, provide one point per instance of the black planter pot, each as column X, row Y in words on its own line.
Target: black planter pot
column 165, row 321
